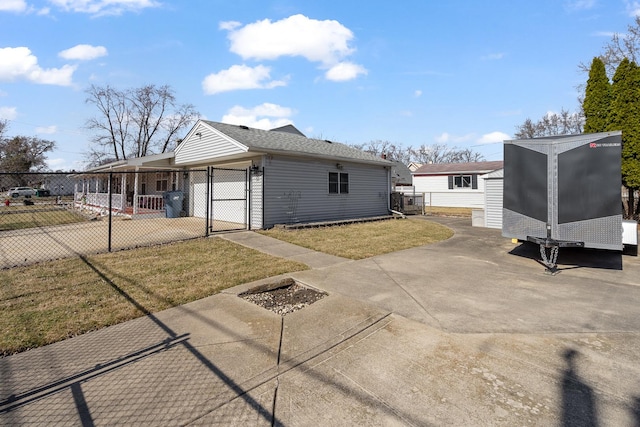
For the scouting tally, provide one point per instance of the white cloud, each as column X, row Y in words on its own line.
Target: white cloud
column 446, row 137
column 344, row 71
column 240, row 77
column 493, row 137
column 19, row 63
column 229, row 25
column 104, row 7
column 576, row 5
column 493, row 56
column 325, row 42
column 633, row 8
column 83, row 52
column 443, row 138
column 417, row 93
column 264, row 116
column 607, row 34
column 318, row 41
column 8, row 113
column 13, row 5
column 47, row 130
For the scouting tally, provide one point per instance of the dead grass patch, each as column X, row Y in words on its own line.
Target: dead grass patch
column 364, row 240
column 16, row 218
column 445, row 211
column 48, row 302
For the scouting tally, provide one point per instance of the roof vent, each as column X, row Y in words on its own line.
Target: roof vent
column 243, row 127
column 326, row 140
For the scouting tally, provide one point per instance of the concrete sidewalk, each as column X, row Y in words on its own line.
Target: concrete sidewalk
column 464, row 332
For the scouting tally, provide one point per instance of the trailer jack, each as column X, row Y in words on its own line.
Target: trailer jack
column 550, row 258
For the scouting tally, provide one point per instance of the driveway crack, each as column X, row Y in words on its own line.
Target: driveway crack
column 409, row 295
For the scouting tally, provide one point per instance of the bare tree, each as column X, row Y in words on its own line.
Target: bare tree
column 136, row 122
column 435, row 153
column 619, row 47
column 563, row 123
column 386, row 149
column 467, row 155
column 4, row 124
column 442, row 153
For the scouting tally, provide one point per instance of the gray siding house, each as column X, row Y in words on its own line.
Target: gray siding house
column 279, row 176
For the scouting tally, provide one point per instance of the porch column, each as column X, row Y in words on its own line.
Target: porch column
column 123, row 191
column 135, row 192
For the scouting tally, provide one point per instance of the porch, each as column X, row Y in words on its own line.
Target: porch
column 132, row 194
column 145, row 206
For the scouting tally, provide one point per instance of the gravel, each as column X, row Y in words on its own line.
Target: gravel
column 283, row 297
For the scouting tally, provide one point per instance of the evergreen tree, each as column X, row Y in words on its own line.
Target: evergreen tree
column 624, row 115
column 597, row 98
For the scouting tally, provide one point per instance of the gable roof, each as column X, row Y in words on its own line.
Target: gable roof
column 454, row 168
column 288, row 128
column 266, row 141
column 400, row 173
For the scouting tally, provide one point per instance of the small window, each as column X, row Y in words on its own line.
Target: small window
column 344, row 183
column 462, row 181
column 162, row 181
column 338, row 183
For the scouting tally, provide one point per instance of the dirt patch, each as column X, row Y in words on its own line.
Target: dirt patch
column 283, row 297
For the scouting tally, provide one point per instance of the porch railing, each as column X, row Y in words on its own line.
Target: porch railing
column 102, row 200
column 150, row 202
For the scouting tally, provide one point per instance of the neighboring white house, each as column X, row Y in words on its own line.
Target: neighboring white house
column 267, row 177
column 413, row 166
column 453, row 184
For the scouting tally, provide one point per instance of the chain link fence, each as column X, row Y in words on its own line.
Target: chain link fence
column 47, row 216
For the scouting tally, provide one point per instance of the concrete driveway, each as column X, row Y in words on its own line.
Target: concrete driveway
column 469, row 331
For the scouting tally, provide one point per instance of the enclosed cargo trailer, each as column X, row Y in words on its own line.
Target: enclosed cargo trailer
column 564, row 191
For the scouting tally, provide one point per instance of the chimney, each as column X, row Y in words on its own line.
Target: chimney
column 384, row 156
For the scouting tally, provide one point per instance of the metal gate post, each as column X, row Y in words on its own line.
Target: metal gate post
column 110, row 211
column 207, row 201
column 247, row 201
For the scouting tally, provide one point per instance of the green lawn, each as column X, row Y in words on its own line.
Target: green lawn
column 366, row 239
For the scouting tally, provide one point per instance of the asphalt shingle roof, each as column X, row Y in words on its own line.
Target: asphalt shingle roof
column 449, row 168
column 284, row 142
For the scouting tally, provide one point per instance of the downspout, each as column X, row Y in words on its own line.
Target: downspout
column 389, row 195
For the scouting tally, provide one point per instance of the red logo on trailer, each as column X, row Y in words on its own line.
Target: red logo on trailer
column 593, row 145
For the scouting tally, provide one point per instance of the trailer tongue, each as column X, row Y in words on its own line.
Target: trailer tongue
column 564, row 191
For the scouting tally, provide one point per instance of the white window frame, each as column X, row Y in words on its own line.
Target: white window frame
column 462, row 181
column 339, row 185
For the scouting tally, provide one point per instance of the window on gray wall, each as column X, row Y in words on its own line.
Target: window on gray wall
column 338, row 183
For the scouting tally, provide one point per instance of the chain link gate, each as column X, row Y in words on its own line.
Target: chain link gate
column 228, row 207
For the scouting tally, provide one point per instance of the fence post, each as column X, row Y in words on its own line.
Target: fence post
column 207, row 201
column 110, row 206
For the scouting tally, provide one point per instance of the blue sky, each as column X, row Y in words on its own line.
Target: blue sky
column 460, row 72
